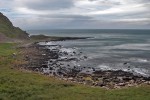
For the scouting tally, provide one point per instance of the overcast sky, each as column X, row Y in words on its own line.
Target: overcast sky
column 78, row 14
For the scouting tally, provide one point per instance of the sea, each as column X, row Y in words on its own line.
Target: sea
column 108, row 49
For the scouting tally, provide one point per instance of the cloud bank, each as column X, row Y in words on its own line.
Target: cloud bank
column 94, row 14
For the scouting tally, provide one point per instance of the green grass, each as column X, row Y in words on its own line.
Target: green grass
column 20, row 85
column 6, row 49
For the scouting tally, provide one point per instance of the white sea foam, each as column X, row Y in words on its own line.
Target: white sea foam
column 136, row 71
column 103, row 67
column 53, row 47
column 141, row 60
column 87, row 71
column 68, row 50
column 46, row 43
column 141, row 71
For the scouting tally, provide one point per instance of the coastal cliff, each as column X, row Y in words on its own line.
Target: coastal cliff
column 9, row 31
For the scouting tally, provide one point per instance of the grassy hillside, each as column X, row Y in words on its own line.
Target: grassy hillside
column 21, row 85
column 7, row 28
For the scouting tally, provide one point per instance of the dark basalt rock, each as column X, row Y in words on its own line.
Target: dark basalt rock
column 50, row 60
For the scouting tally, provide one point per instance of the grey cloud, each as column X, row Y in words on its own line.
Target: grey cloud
column 66, row 16
column 107, row 2
column 48, row 4
column 84, row 24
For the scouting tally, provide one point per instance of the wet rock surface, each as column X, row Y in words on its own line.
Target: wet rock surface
column 55, row 60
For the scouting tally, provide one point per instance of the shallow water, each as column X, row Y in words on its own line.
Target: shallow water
column 128, row 50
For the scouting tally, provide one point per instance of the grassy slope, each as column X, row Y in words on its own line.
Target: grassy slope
column 17, row 85
column 7, row 28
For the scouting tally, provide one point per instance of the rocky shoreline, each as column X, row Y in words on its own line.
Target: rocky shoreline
column 54, row 60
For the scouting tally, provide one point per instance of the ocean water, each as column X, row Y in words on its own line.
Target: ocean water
column 127, row 50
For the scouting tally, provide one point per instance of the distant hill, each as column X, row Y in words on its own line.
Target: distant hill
column 7, row 30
